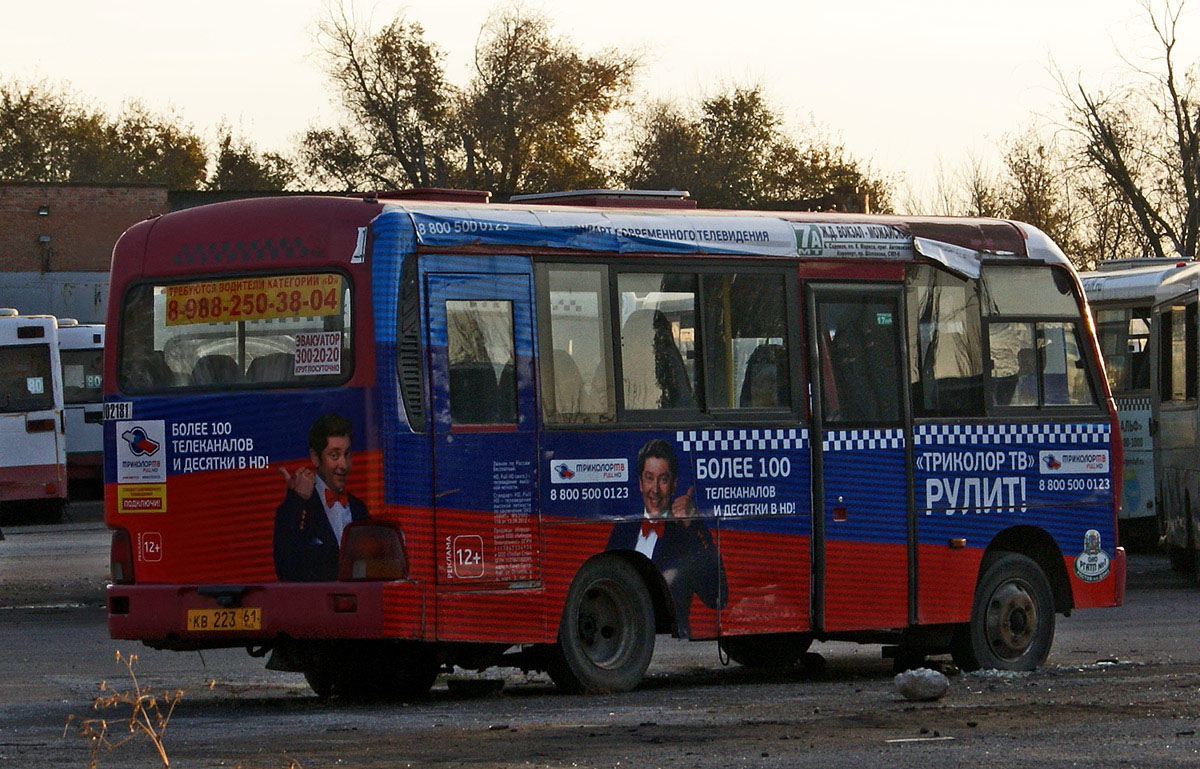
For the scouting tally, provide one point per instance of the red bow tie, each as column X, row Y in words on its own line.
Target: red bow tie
column 332, row 496
column 655, row 526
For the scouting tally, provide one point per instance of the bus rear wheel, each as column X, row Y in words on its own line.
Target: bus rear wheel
column 1012, row 619
column 606, row 637
column 375, row 673
column 769, row 650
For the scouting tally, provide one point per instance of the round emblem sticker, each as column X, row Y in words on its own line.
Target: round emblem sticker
column 1092, row 564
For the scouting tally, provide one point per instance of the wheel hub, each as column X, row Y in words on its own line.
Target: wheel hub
column 1012, row 620
column 605, row 625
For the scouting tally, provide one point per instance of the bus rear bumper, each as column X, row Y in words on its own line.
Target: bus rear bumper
column 214, row 616
column 32, row 482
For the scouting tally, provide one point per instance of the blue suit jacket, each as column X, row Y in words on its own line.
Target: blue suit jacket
column 306, row 549
column 688, row 559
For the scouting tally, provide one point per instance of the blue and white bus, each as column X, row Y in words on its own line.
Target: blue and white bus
column 380, row 436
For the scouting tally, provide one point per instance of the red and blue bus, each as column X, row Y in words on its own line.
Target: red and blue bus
column 380, row 436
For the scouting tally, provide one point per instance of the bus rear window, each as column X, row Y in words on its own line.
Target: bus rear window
column 82, row 375
column 25, row 382
column 238, row 332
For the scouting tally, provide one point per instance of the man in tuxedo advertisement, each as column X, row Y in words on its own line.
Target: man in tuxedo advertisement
column 316, row 507
column 670, row 533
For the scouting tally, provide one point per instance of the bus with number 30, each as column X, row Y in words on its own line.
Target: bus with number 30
column 378, row 437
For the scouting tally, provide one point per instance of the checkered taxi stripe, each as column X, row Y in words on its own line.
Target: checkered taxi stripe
column 742, row 440
column 965, row 435
column 1133, row 404
column 862, row 440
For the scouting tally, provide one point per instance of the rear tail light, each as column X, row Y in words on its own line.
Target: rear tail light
column 39, row 425
column 372, row 550
column 121, row 562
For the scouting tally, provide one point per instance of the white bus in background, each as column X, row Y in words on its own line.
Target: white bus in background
column 81, row 348
column 1122, row 294
column 1176, row 341
column 33, row 473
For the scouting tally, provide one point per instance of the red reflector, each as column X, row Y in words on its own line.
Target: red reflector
column 372, row 550
column 345, row 603
column 51, row 489
column 39, row 425
column 121, row 560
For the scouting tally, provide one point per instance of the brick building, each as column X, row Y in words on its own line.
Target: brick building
column 56, row 242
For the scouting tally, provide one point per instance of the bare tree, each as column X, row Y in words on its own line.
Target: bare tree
column 393, row 88
column 532, row 118
column 1144, row 136
column 981, row 188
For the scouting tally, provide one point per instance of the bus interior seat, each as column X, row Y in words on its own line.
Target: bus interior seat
column 473, row 392
column 637, row 361
column 568, row 383
column 154, row 373
column 598, row 393
column 216, row 369
column 654, row 372
column 273, row 367
column 766, row 382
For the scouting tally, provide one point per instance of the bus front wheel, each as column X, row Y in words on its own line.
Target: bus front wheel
column 1012, row 619
column 606, row 637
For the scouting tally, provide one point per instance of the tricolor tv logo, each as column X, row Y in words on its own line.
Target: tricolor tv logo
column 614, row 470
column 1074, row 462
column 139, row 443
column 141, row 451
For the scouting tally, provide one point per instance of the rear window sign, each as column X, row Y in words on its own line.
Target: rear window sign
column 35, row 385
column 318, row 353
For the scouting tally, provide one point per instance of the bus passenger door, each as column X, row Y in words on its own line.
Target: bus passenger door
column 861, row 530
column 485, row 442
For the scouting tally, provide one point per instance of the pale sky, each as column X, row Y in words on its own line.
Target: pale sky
column 905, row 85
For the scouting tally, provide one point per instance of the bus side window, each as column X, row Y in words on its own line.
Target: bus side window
column 481, row 353
column 1177, row 353
column 576, row 344
column 658, row 340
column 1033, row 339
column 746, row 341
column 945, row 344
column 857, row 347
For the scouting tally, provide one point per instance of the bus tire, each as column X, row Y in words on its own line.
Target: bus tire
column 1012, row 618
column 321, row 681
column 769, row 650
column 606, row 637
column 376, row 673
